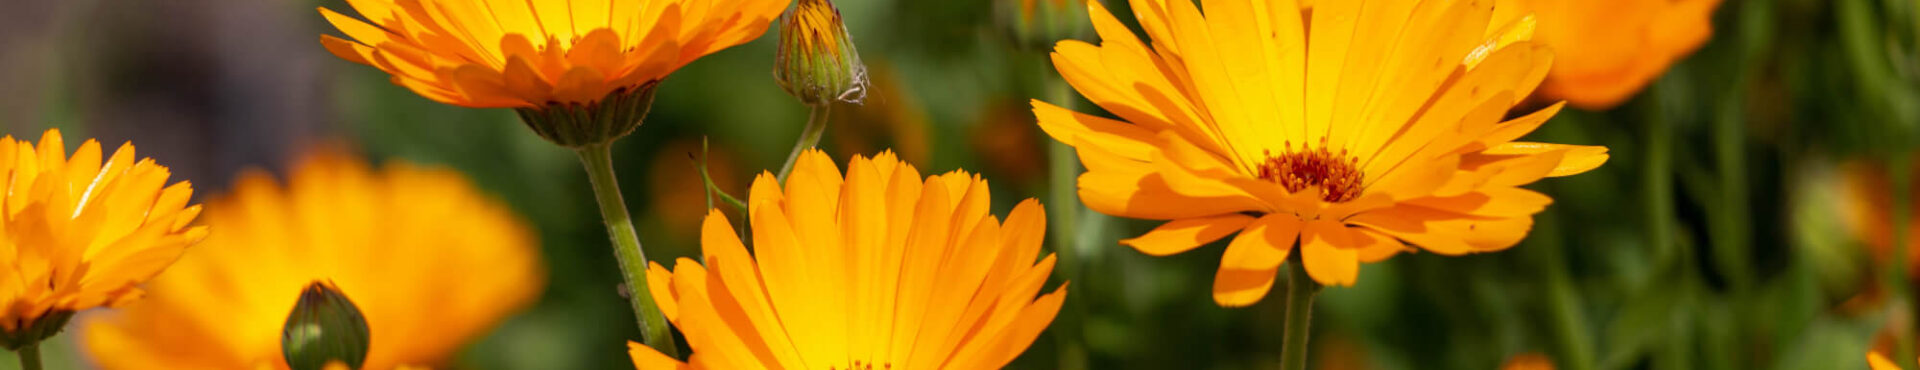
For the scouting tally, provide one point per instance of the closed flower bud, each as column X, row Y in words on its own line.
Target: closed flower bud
column 816, row 61
column 325, row 327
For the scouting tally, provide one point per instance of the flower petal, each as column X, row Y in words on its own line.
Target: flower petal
column 1185, row 234
column 1251, row 261
column 646, row 358
column 1330, row 252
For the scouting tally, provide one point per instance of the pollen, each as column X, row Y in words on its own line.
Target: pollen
column 1335, row 175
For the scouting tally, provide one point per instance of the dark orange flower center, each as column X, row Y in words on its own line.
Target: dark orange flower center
column 1336, row 175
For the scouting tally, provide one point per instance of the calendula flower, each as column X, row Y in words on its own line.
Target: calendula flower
column 82, row 231
column 580, row 72
column 1352, row 131
column 1611, row 49
column 876, row 270
column 428, row 260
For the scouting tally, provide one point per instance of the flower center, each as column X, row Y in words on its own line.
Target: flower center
column 1337, row 175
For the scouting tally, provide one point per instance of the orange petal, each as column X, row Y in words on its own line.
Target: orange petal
column 1185, row 234
column 1076, row 129
column 646, row 358
column 1578, row 158
column 1877, row 361
column 660, row 284
column 1127, row 188
column 1375, row 246
column 1491, row 201
column 1331, row 255
column 1251, row 261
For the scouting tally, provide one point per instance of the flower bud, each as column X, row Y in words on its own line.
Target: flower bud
column 575, row 125
column 325, row 327
column 20, row 334
column 816, row 61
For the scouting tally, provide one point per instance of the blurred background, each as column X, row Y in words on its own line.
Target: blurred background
column 1741, row 223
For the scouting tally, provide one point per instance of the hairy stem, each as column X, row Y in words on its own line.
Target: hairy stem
column 810, row 136
column 598, row 159
column 1300, row 291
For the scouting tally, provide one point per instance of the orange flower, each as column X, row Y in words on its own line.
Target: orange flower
column 429, row 261
column 1528, row 361
column 1869, row 197
column 874, row 270
column 1610, row 49
column 529, row 53
column 1377, row 126
column 82, row 231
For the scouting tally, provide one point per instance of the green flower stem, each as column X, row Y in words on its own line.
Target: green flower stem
column 712, row 189
column 598, row 159
column 1063, row 166
column 1568, row 321
column 1729, row 218
column 1657, row 178
column 810, row 136
column 29, row 356
column 1300, row 291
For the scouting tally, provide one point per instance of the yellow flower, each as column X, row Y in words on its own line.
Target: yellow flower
column 430, row 261
column 529, row 53
column 876, row 270
column 1610, row 49
column 1377, row 126
column 82, row 231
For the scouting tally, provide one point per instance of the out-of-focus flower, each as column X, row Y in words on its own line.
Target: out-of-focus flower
column 816, row 61
column 875, row 270
column 1333, row 133
column 1008, row 146
column 1528, row 361
column 1608, row 50
column 893, row 118
column 430, row 261
column 1866, row 210
column 677, row 192
column 1337, row 352
column 580, row 72
column 1035, row 23
column 82, row 231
